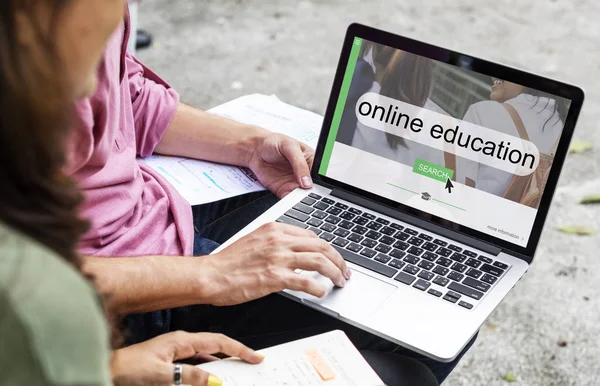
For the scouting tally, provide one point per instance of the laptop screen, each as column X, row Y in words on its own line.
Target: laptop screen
column 451, row 142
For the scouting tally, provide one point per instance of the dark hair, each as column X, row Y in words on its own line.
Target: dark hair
column 561, row 105
column 36, row 197
column 403, row 76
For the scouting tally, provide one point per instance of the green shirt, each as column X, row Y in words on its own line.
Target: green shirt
column 52, row 329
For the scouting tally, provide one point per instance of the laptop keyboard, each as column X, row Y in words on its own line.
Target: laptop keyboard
column 394, row 250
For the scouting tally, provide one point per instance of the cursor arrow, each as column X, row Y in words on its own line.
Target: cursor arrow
column 449, row 185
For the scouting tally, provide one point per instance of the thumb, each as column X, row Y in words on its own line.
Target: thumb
column 292, row 151
column 194, row 376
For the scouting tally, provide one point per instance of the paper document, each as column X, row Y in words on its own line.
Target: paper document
column 329, row 359
column 201, row 182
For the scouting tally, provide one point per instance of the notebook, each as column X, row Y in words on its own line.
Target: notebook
column 328, row 359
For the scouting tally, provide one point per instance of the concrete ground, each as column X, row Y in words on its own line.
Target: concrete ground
column 214, row 51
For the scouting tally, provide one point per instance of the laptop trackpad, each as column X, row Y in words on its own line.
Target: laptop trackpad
column 362, row 295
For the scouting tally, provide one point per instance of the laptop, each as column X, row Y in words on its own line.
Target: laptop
column 433, row 177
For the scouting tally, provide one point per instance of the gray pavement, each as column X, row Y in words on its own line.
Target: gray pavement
column 214, row 51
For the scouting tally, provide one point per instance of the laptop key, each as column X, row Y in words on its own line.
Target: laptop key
column 456, row 276
column 304, row 209
column 429, row 256
column 458, row 257
column 354, row 211
column 360, row 221
column 441, row 270
column 401, row 245
column 316, row 231
column 369, row 216
column 451, row 299
column 455, row 248
column 434, row 292
column 365, row 262
column 354, row 247
column 387, row 240
column 489, row 278
column 360, row 230
column 320, row 215
column 471, row 262
column 466, row 305
column 422, row 285
column 491, row 270
column 297, row 215
column 396, row 226
column 315, row 222
column 467, row 291
column 347, row 216
column 425, row 237
column 472, row 272
column 341, row 242
column 388, row 231
column 426, row 275
column 500, row 265
column 321, row 205
column 345, row 224
column 429, row 246
column 396, row 263
column 369, row 243
column 459, row 267
column 373, row 235
column 315, row 196
column 415, row 251
column 328, row 201
column 478, row 285
column 368, row 252
column 401, row 236
column 333, row 219
column 289, row 221
column 374, row 225
column 308, row 201
column 382, row 258
column 341, row 206
column 445, row 262
column 485, row 259
column 382, row 221
column 411, row 259
column 405, row 278
column 355, row 237
column 397, row 254
column 328, row 227
column 415, row 241
column 469, row 253
column 383, row 248
column 411, row 269
column 411, row 232
column 439, row 242
column 441, row 281
column 327, row 236
column 426, row 265
column 444, row 252
column 341, row 232
column 333, row 210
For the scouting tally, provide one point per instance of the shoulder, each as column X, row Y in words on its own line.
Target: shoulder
column 485, row 112
column 53, row 313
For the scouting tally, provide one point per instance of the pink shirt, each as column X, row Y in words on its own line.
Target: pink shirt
column 133, row 211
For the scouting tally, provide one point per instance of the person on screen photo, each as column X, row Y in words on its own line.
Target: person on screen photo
column 523, row 113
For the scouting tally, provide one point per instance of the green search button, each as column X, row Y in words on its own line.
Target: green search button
column 431, row 170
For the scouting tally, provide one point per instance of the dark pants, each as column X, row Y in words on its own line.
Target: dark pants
column 274, row 319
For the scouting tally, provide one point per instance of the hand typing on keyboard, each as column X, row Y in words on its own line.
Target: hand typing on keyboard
column 265, row 261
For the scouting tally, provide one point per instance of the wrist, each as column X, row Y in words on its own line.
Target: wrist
column 209, row 282
column 255, row 135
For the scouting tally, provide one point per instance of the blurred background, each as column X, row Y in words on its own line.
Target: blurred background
column 547, row 332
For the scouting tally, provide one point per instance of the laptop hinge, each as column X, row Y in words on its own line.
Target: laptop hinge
column 445, row 232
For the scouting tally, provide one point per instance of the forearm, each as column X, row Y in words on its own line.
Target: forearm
column 197, row 134
column 149, row 283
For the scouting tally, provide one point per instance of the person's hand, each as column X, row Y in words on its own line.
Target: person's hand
column 151, row 363
column 282, row 164
column 264, row 262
